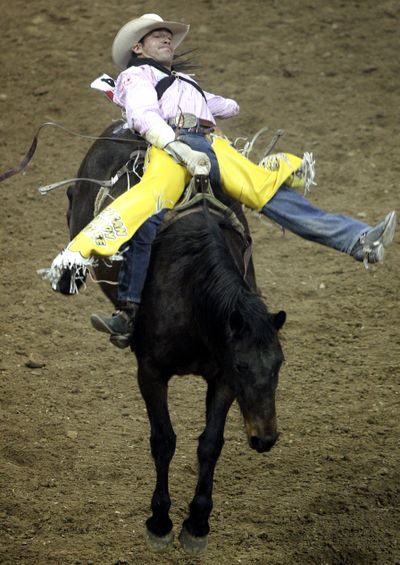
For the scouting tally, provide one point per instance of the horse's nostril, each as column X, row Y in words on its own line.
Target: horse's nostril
column 263, row 444
column 255, row 442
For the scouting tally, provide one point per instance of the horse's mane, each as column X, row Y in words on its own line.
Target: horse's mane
column 217, row 287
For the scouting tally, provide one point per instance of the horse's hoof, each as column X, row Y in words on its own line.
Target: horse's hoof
column 159, row 543
column 192, row 544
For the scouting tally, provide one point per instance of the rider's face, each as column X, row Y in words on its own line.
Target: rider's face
column 156, row 45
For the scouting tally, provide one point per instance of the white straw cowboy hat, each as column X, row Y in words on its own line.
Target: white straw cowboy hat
column 132, row 32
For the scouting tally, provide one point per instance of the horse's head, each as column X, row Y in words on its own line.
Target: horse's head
column 256, row 357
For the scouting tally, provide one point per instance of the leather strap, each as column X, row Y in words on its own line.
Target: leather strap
column 166, row 82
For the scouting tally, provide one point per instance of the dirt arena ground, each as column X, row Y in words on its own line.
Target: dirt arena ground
column 75, row 469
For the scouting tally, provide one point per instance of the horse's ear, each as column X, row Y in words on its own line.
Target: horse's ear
column 279, row 319
column 236, row 323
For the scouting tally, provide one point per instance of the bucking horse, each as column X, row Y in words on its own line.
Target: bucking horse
column 201, row 313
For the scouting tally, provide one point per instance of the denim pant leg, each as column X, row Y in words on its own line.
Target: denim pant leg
column 292, row 211
column 137, row 252
column 199, row 142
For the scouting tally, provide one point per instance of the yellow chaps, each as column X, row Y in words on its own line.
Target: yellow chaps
column 162, row 185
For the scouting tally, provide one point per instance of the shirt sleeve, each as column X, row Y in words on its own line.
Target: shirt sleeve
column 221, row 107
column 135, row 91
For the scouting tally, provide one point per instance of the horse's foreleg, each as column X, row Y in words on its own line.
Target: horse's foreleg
column 163, row 441
column 195, row 529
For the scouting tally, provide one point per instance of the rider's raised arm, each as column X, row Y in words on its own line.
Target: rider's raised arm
column 221, row 107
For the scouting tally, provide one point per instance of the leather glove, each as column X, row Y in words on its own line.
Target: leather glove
column 196, row 162
column 160, row 135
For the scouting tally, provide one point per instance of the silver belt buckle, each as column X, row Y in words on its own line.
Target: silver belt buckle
column 186, row 121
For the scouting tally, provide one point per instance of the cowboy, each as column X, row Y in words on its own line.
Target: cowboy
column 171, row 111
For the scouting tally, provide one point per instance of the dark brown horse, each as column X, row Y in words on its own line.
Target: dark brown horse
column 200, row 314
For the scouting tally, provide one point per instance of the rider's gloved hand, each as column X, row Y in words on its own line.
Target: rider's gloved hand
column 160, row 135
column 163, row 136
column 196, row 162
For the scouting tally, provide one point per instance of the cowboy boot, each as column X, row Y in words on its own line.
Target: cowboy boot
column 370, row 248
column 119, row 326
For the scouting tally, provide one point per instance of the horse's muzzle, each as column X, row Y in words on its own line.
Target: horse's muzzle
column 262, row 444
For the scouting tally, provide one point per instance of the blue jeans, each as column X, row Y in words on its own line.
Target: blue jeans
column 292, row 211
column 137, row 252
column 199, row 142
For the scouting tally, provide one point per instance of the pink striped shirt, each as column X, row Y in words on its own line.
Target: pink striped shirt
column 135, row 91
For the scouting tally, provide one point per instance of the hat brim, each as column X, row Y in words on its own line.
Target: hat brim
column 132, row 32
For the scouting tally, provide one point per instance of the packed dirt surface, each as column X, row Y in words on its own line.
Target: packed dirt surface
column 75, row 467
